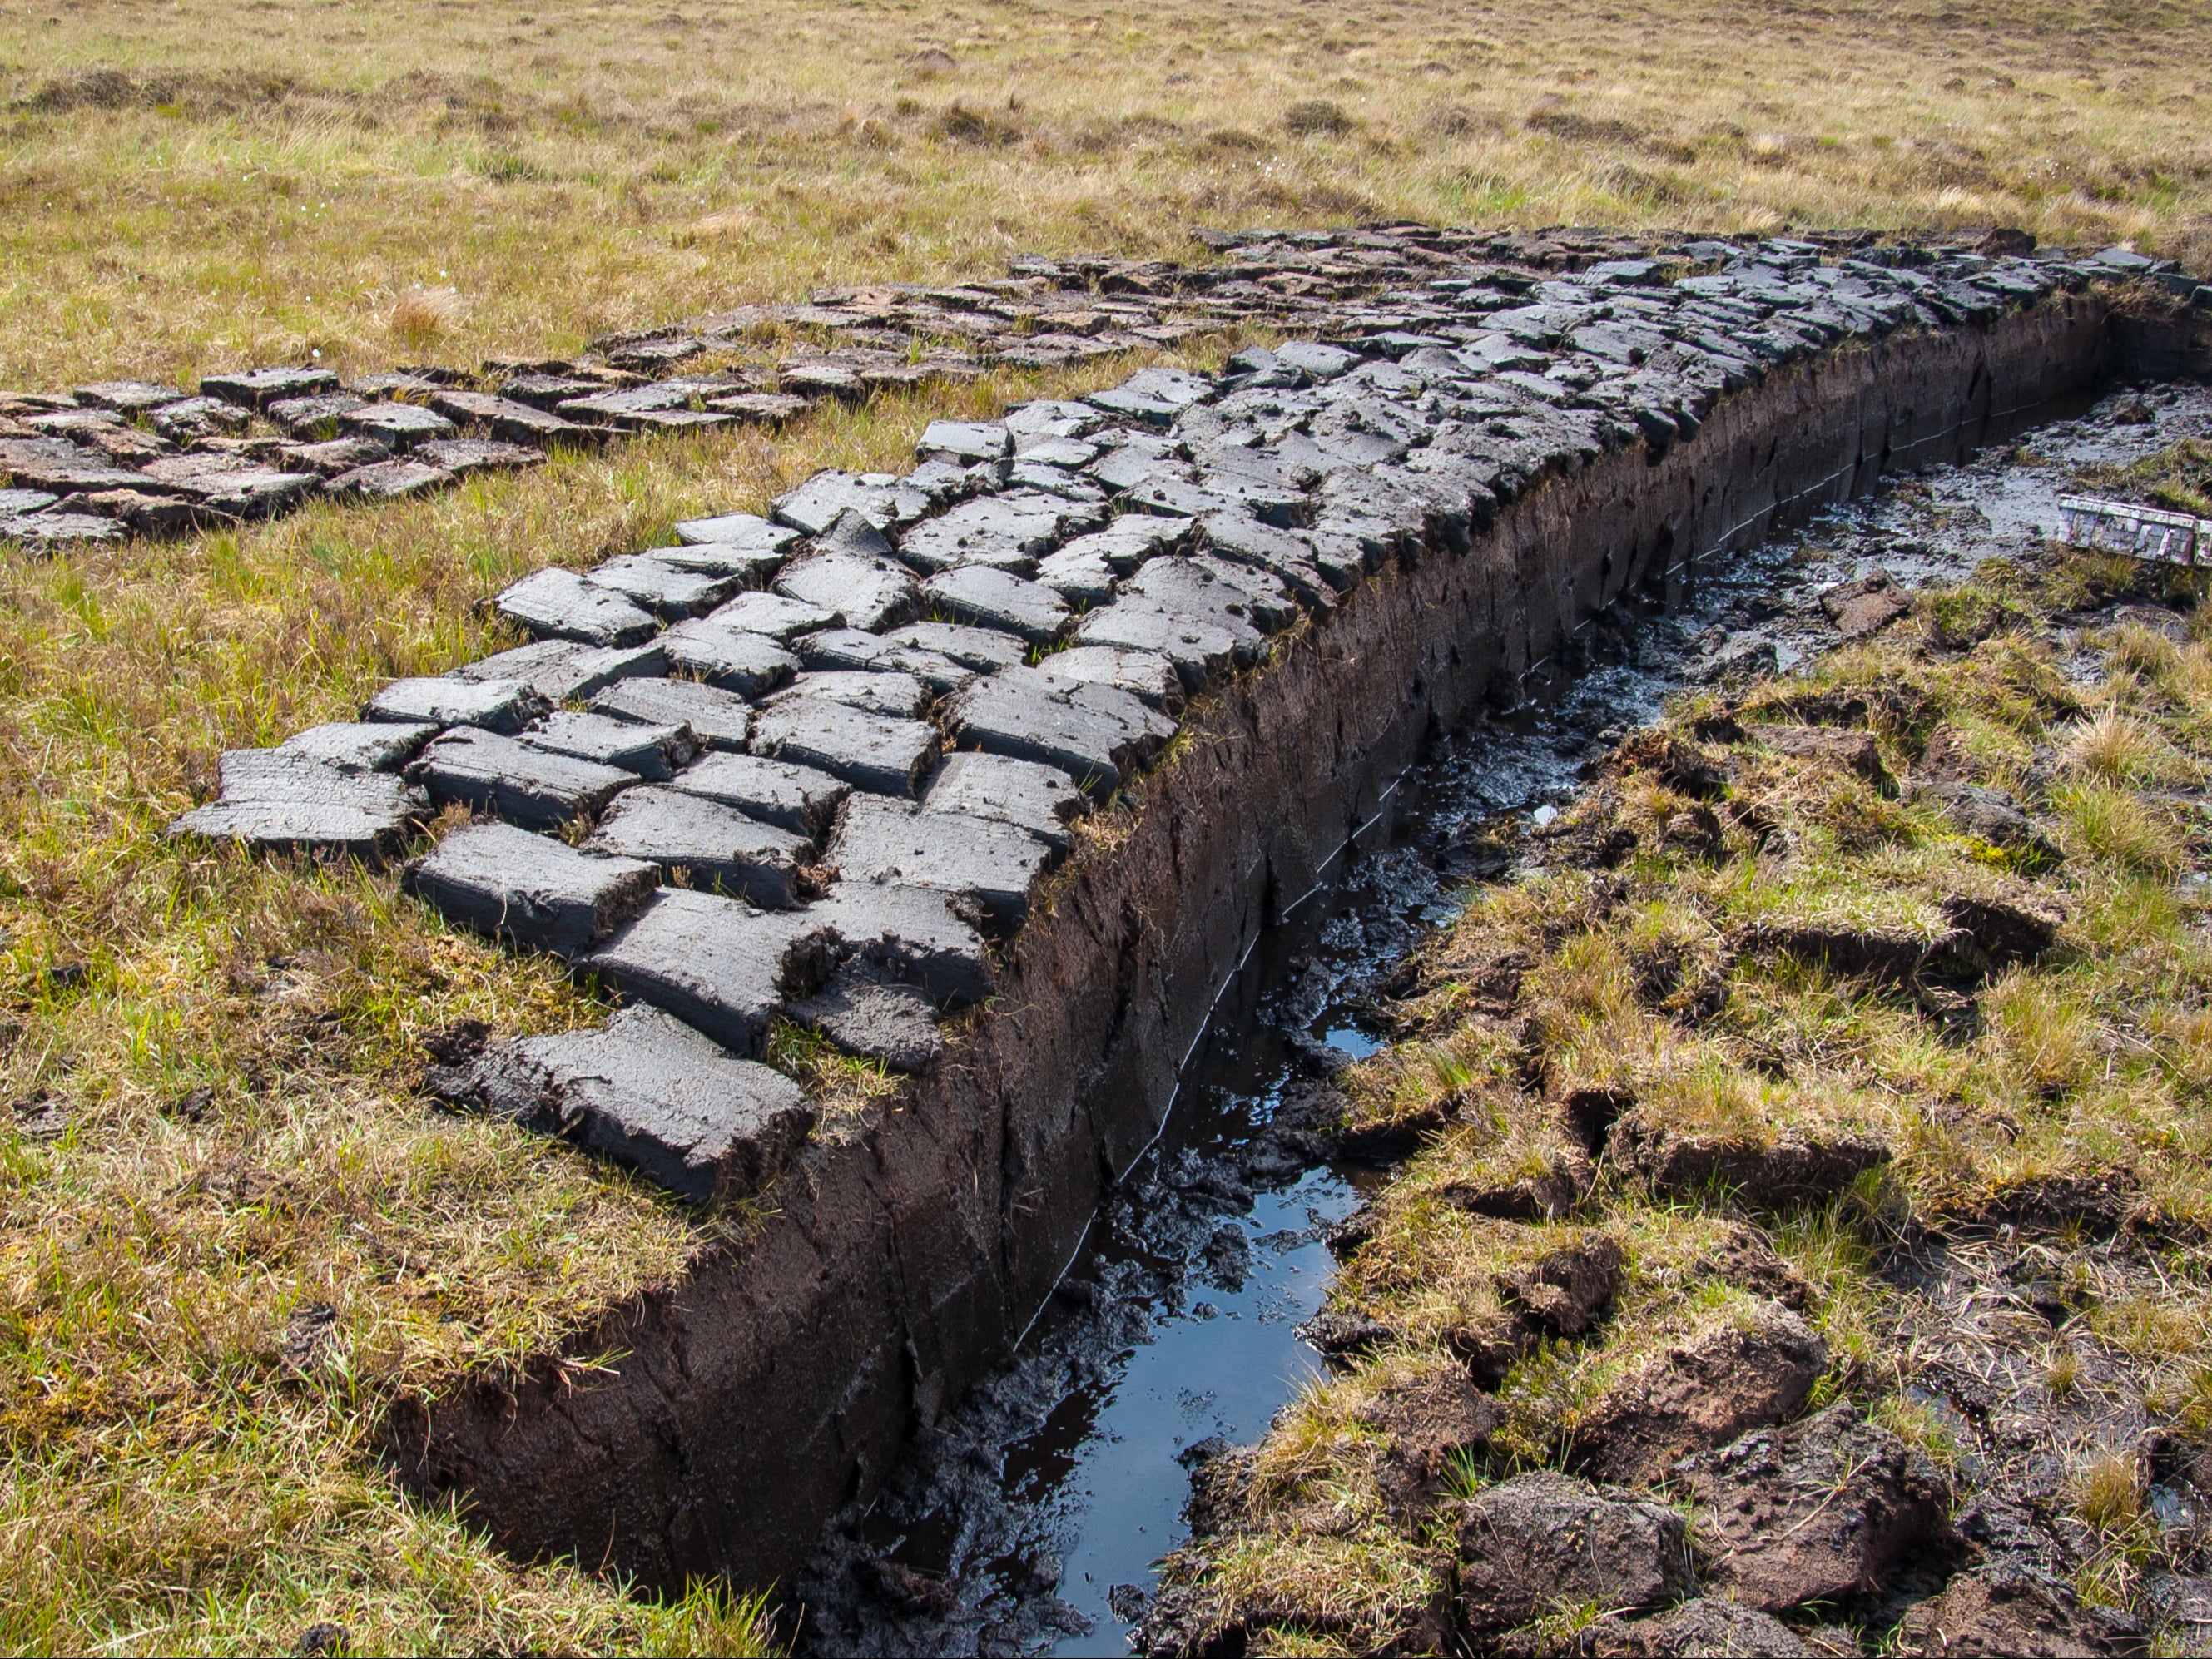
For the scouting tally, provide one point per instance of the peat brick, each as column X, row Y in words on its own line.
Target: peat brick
column 47, row 530
column 882, row 499
column 1322, row 362
column 59, row 466
column 864, row 1016
column 900, row 695
column 870, row 593
column 190, row 418
column 1097, row 734
column 1231, row 596
column 794, row 798
column 1243, row 540
column 733, row 659
column 719, row 720
column 1154, row 395
column 910, row 935
column 989, row 531
column 403, row 426
column 664, row 589
column 560, row 605
column 848, row 649
column 388, row 481
column 714, row 845
column 718, row 965
column 225, row 484
column 562, row 670
column 508, row 421
column 1046, row 420
column 983, row 649
column 1041, row 799
column 747, row 530
column 547, row 391
column 127, row 397
column 1145, row 674
column 652, row 752
column 502, row 706
column 361, row 745
column 751, row 567
column 648, row 1093
column 873, row 752
column 852, row 533
column 1744, row 1375
column 1700, row 1627
column 507, row 778
column 1080, row 578
column 773, row 616
column 993, row 599
column 965, row 441
column 278, row 801
column 258, row 388
column 509, row 884
column 887, row 841
column 759, row 408
column 326, row 460
column 1200, row 650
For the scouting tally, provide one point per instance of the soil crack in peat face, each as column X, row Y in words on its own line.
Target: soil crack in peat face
column 978, row 909
column 1858, row 1376
column 1020, row 1511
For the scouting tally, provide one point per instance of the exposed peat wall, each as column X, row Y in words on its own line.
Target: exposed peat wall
column 904, row 1254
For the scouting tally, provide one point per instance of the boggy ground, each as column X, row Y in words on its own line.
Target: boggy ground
column 209, row 1061
column 1801, row 1231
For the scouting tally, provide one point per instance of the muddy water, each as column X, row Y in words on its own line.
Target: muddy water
column 1028, row 1520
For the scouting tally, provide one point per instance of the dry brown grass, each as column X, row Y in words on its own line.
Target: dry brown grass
column 422, row 316
column 192, row 185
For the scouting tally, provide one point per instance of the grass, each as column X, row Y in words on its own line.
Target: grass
column 2111, row 1494
column 2083, row 1067
column 2178, row 477
column 210, row 1061
column 192, row 185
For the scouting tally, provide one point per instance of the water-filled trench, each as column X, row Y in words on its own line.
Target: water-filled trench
column 1029, row 1518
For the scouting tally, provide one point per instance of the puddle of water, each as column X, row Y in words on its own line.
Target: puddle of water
column 1060, row 1479
column 1351, row 1040
column 1220, row 1369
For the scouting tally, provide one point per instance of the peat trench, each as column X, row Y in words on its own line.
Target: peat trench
column 905, row 1249
column 1027, row 1519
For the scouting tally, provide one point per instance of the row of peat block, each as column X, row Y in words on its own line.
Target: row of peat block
column 123, row 457
column 810, row 768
